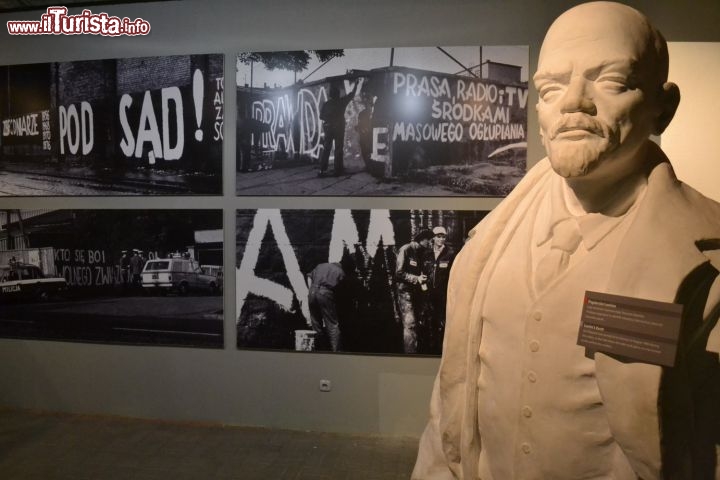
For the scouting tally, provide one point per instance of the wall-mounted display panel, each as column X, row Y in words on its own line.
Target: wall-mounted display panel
column 151, row 277
column 346, row 280
column 435, row 121
column 129, row 126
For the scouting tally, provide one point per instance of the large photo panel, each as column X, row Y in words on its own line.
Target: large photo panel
column 143, row 277
column 129, row 126
column 433, row 121
column 363, row 281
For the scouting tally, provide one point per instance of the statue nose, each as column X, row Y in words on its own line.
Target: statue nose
column 577, row 98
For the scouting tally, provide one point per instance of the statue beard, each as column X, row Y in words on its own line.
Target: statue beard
column 577, row 157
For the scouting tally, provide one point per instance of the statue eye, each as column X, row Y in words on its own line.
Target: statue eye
column 550, row 91
column 613, row 84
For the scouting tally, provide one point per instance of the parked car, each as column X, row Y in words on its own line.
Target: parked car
column 180, row 275
column 214, row 271
column 22, row 281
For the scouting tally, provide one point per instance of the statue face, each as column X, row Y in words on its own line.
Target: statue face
column 598, row 90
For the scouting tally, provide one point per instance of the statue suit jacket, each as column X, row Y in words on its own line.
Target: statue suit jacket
column 666, row 420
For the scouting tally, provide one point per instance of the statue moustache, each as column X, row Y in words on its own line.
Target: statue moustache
column 574, row 158
column 578, row 121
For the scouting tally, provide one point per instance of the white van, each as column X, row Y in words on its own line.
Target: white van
column 180, row 275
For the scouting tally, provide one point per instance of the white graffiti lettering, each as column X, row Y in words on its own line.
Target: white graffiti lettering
column 380, row 144
column 410, row 85
column 484, row 131
column 522, row 96
column 435, row 132
column 465, row 112
column 78, row 276
column 107, row 275
column 471, row 91
column 455, row 132
column 248, row 282
column 344, row 235
column 477, row 92
column 294, row 128
column 76, row 128
column 148, row 130
column 86, row 267
column 309, row 108
column 171, row 94
column 218, row 104
column 62, row 255
column 46, row 133
column 27, row 125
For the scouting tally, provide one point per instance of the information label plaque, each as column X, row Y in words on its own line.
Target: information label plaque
column 641, row 330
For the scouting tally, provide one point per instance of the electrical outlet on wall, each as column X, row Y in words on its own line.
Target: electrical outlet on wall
column 325, row 385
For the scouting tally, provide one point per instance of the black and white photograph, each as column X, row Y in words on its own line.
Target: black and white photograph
column 362, row 281
column 422, row 121
column 129, row 126
column 142, row 277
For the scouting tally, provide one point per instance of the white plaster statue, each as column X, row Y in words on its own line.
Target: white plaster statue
column 516, row 397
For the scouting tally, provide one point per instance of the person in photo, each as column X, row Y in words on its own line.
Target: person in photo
column 411, row 275
column 332, row 114
column 440, row 257
column 326, row 281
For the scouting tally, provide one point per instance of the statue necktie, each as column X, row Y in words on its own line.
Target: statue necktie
column 565, row 240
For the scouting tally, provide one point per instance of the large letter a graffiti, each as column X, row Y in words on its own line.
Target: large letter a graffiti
column 246, row 280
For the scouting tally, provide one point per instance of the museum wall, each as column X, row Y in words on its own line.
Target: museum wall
column 370, row 394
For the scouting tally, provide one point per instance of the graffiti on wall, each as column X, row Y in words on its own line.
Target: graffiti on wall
column 382, row 121
column 110, row 113
column 278, row 249
column 292, row 118
column 391, row 108
column 461, row 109
column 87, row 267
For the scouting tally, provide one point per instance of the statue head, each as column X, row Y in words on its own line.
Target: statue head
column 603, row 90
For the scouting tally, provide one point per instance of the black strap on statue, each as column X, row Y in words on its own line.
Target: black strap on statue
column 700, row 338
column 689, row 400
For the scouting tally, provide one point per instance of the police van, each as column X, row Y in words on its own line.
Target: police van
column 21, row 281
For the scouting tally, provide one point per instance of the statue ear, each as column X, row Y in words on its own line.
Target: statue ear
column 669, row 101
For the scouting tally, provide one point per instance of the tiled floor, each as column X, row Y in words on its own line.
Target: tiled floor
column 55, row 446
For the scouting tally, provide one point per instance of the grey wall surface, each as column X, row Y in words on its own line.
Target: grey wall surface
column 387, row 395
